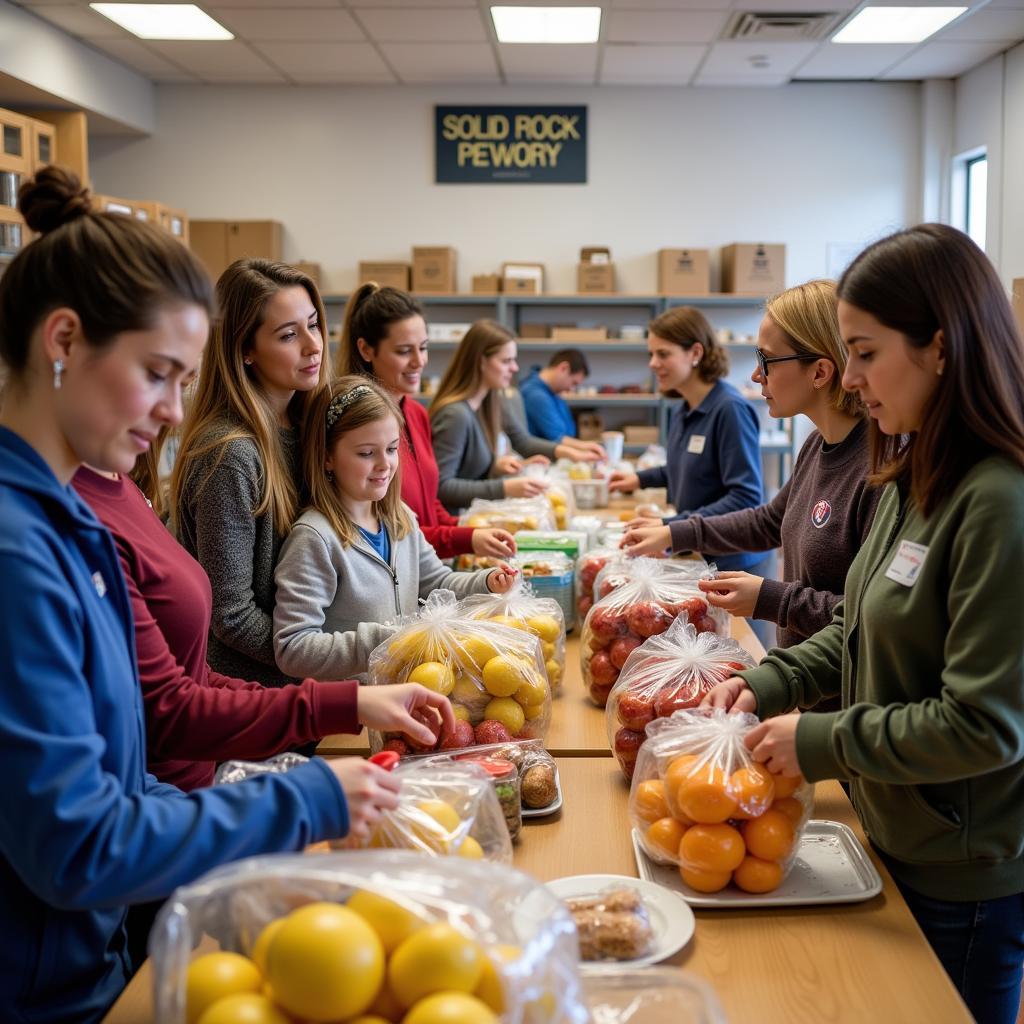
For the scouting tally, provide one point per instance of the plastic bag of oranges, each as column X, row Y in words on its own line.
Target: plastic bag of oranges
column 644, row 605
column 699, row 801
column 521, row 608
column 493, row 673
column 375, row 934
column 558, row 492
column 512, row 514
column 666, row 673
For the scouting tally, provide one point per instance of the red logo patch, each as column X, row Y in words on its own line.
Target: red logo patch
column 821, row 513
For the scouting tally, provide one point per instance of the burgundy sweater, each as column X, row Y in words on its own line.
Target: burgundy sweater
column 196, row 717
column 820, row 517
column 419, row 485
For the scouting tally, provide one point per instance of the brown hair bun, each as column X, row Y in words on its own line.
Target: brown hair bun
column 52, row 198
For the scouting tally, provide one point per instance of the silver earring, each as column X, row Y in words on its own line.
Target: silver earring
column 330, row 476
column 58, row 372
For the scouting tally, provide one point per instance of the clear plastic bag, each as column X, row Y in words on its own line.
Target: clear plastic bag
column 587, row 569
column 666, row 673
column 238, row 771
column 698, row 800
column 644, row 605
column 552, row 574
column 654, row 995
column 493, row 674
column 559, row 492
column 515, row 942
column 522, row 608
column 620, row 571
column 512, row 514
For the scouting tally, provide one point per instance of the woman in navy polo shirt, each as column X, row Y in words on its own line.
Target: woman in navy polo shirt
column 714, row 452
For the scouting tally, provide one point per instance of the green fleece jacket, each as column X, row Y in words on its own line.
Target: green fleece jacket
column 931, row 735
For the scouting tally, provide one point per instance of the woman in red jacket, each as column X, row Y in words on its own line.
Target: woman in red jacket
column 385, row 337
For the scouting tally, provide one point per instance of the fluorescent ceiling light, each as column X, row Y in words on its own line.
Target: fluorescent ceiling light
column 547, row 24
column 164, row 21
column 896, row 24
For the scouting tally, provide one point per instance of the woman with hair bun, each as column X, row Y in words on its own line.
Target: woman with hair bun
column 103, row 319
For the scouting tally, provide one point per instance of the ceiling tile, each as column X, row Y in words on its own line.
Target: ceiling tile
column 336, row 62
column 739, row 81
column 414, row 3
column 986, row 26
column 943, row 60
column 141, row 58
column 244, row 77
column 852, row 60
column 293, row 23
column 211, row 6
column 799, row 6
column 233, row 57
column 673, row 5
column 650, row 65
column 664, row 26
column 527, row 62
column 740, row 60
column 441, row 62
column 404, row 25
column 80, row 21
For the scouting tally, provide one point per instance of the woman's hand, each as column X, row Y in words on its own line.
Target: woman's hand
column 501, row 579
column 735, row 592
column 620, row 480
column 774, row 744
column 524, row 487
column 732, row 694
column 406, row 708
column 646, row 540
column 507, row 465
column 493, row 543
column 640, row 522
column 369, row 791
column 537, row 460
column 580, row 451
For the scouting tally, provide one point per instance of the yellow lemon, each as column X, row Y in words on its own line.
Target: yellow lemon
column 467, row 691
column 490, row 990
column 391, row 921
column 554, row 671
column 450, row 1008
column 532, row 691
column 438, row 958
column 386, row 1005
column 460, row 711
column 509, row 620
column 214, row 976
column 548, row 649
column 259, row 949
column 531, row 712
column 244, row 1008
column 503, row 675
column 434, row 676
column 474, row 652
column 471, row 849
column 545, row 626
column 507, row 711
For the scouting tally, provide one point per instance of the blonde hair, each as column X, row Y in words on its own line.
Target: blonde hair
column 807, row 316
column 464, row 377
column 685, row 326
column 327, row 419
column 228, row 389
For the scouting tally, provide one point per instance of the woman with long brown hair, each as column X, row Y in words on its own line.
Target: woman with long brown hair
column 927, row 650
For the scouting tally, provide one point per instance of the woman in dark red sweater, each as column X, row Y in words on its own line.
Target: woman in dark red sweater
column 196, row 717
column 385, row 337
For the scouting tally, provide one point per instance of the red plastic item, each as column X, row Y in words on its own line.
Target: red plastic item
column 386, row 759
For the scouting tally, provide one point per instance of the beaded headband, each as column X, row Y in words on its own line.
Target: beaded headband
column 341, row 402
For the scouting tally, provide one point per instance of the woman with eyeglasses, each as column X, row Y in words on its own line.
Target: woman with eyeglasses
column 824, row 511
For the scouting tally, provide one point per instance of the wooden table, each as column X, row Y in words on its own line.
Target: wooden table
column 864, row 962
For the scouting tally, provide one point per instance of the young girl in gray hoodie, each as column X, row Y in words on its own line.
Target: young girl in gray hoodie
column 355, row 561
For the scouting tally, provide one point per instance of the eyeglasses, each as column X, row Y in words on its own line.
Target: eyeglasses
column 763, row 360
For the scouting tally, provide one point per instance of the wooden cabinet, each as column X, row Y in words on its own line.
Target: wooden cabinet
column 218, row 243
column 70, row 139
column 15, row 142
column 43, row 144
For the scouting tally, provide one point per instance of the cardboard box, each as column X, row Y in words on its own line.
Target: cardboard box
column 684, row 272
column 589, row 426
column 387, row 275
column 579, row 333
column 1018, row 302
column 433, row 269
column 522, row 278
column 753, row 268
column 311, row 270
column 641, row 434
column 595, row 278
column 534, row 331
column 486, row 284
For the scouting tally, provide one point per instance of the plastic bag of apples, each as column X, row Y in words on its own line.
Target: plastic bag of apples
column 667, row 673
column 643, row 606
column 617, row 572
column 699, row 801
column 493, row 674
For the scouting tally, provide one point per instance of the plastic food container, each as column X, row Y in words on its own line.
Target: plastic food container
column 654, row 995
column 505, row 777
column 551, row 574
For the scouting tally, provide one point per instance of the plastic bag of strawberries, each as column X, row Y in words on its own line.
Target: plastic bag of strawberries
column 643, row 606
column 666, row 673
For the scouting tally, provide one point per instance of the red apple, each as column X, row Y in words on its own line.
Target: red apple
column 627, row 742
column 490, row 731
column 607, row 624
column 583, row 605
column 461, row 736
column 648, row 619
column 602, row 671
column 635, row 710
column 737, row 666
column 676, row 699
column 621, row 649
column 400, row 747
column 704, row 624
column 695, row 607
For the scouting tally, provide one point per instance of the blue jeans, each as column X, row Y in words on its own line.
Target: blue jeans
column 981, row 946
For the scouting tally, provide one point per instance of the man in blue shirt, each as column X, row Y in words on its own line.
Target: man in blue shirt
column 547, row 413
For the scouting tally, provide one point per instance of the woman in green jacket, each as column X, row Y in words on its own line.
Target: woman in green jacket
column 927, row 648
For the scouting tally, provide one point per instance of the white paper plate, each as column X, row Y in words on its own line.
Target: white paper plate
column 672, row 920
column 555, row 805
column 831, row 867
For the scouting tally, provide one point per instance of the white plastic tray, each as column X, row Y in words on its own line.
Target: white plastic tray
column 555, row 805
column 831, row 867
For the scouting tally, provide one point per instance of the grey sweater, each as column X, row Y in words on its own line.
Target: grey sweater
column 820, row 517
column 238, row 550
column 336, row 604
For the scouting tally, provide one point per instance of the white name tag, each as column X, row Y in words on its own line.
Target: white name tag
column 906, row 564
column 696, row 444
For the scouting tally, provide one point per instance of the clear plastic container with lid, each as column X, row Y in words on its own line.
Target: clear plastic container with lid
column 505, row 777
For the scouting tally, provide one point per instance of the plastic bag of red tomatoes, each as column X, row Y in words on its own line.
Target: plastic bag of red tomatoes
column 699, row 801
column 667, row 673
column 643, row 606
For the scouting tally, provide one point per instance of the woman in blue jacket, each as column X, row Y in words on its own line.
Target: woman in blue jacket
column 102, row 321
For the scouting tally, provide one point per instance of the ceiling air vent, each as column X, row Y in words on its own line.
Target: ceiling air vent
column 780, row 27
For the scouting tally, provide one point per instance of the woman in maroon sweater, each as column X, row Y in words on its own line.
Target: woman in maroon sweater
column 385, row 337
column 196, row 717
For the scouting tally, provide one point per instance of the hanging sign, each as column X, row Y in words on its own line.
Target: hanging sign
column 511, row 145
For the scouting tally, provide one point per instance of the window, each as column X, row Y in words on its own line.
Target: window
column 976, row 198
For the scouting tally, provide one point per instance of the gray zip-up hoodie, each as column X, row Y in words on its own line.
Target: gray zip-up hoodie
column 336, row 604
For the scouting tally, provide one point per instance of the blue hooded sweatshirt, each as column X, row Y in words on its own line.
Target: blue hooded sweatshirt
column 84, row 830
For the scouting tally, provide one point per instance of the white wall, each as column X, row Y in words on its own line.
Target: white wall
column 350, row 173
column 1012, row 212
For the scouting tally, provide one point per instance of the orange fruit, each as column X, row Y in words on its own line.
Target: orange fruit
column 753, row 788
column 703, row 796
column 787, row 785
column 769, row 837
column 649, row 801
column 756, row 875
column 716, row 849
column 677, row 771
column 664, row 836
column 705, row 881
column 791, row 808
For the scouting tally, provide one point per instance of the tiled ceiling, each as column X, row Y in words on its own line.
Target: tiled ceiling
column 643, row 42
